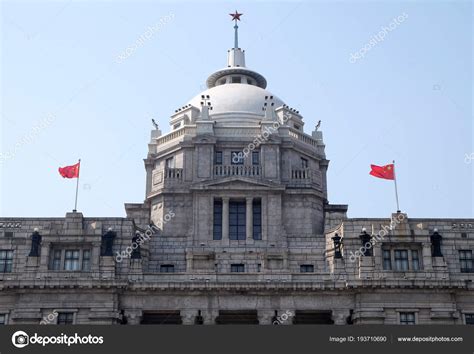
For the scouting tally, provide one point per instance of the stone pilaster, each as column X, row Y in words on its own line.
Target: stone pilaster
column 225, row 218
column 249, row 218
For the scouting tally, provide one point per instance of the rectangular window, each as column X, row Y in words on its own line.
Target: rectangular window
column 169, row 162
column 387, row 260
column 3, row 319
column 306, row 268
column 304, row 163
column 71, row 260
column 86, row 260
column 217, row 230
column 237, row 158
column 257, row 219
column 401, row 260
column 236, row 79
column 177, row 125
column 255, row 158
column 465, row 259
column 8, row 234
column 237, row 268
column 56, row 260
column 218, row 158
column 237, row 220
column 415, row 260
column 407, row 318
column 297, row 127
column 469, row 318
column 6, row 261
column 65, row 318
column 167, row 268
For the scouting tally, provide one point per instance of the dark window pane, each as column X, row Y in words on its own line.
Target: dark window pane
column 257, row 219
column 6, row 261
column 304, row 163
column 401, row 260
column 218, row 158
column 387, row 261
column 65, row 318
column 255, row 158
column 71, row 260
column 466, row 261
column 169, row 163
column 167, row 268
column 407, row 318
column 217, row 231
column 237, row 220
column 237, row 268
column 307, row 268
column 415, row 260
column 86, row 260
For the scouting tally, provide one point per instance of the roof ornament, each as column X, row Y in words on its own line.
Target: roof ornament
column 236, row 17
column 206, row 106
column 155, row 124
column 317, row 126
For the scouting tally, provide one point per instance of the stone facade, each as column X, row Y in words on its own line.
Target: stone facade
column 236, row 227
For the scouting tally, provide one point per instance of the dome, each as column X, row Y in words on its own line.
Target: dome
column 244, row 99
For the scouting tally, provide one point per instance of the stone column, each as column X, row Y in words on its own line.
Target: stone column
column 225, row 218
column 249, row 219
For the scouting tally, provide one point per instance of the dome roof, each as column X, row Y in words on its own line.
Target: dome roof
column 236, row 98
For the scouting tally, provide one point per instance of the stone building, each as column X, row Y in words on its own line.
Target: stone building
column 236, row 227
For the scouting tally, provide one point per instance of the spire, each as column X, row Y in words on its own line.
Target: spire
column 236, row 17
column 236, row 56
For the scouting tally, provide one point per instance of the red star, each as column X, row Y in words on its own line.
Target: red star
column 236, row 16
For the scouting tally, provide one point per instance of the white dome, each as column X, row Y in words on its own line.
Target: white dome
column 243, row 99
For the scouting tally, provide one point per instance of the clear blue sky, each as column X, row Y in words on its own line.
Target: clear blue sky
column 408, row 99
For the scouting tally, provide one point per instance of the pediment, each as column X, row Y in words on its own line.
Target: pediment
column 238, row 182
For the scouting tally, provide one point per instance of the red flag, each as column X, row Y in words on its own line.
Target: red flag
column 70, row 171
column 385, row 172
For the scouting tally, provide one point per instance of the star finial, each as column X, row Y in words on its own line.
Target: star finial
column 236, row 16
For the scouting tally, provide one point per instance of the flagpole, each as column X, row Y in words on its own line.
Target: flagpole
column 77, row 186
column 396, row 189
